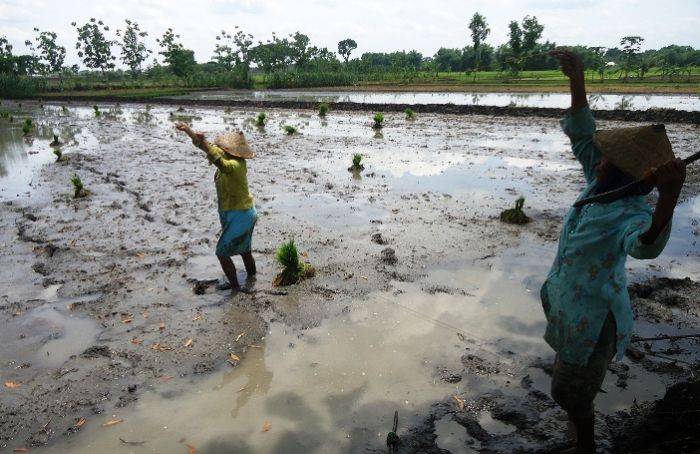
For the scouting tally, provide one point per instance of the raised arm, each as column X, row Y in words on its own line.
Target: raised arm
column 214, row 153
column 197, row 137
column 572, row 67
column 578, row 124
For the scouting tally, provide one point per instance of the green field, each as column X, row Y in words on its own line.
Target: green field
column 487, row 81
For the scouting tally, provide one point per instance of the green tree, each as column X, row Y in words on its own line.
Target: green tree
column 51, row 54
column 598, row 63
column 134, row 51
column 531, row 33
column 94, row 48
column 180, row 60
column 345, row 48
column 515, row 42
column 630, row 48
column 7, row 60
column 233, row 49
column 480, row 31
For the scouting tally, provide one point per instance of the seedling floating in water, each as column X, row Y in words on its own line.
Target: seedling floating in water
column 97, row 111
column 322, row 109
column 378, row 121
column 356, row 163
column 293, row 270
column 79, row 189
column 58, row 153
column 260, row 120
column 290, row 129
column 515, row 215
column 410, row 114
column 27, row 127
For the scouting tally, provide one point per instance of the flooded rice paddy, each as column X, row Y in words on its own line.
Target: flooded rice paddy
column 113, row 352
column 598, row 101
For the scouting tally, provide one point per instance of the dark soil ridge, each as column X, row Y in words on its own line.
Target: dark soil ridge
column 649, row 115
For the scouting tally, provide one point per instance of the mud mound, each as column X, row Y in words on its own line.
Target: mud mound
column 658, row 299
column 667, row 425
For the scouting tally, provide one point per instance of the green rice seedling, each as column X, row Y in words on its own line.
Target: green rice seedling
column 410, row 114
column 97, row 110
column 293, row 270
column 323, row 109
column 515, row 215
column 58, row 153
column 356, row 163
column 27, row 127
column 4, row 114
column 290, row 130
column 64, row 109
column 55, row 142
column 378, row 121
column 78, row 187
column 260, row 120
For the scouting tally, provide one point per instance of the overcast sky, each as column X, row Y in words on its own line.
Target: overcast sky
column 376, row 25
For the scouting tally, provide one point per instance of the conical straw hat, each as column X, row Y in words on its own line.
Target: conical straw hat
column 234, row 143
column 635, row 150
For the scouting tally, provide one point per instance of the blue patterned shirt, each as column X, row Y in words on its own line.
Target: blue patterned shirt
column 588, row 278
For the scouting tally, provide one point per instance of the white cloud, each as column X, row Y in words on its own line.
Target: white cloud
column 375, row 25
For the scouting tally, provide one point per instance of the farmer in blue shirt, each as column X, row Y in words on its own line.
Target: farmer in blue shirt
column 585, row 299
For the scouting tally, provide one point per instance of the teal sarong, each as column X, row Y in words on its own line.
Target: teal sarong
column 236, row 231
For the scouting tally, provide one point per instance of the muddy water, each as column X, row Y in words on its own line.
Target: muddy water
column 554, row 100
column 324, row 364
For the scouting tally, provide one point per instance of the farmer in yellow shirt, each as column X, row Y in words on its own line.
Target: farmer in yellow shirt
column 236, row 208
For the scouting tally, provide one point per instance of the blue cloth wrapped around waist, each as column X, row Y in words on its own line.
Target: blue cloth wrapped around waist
column 236, row 231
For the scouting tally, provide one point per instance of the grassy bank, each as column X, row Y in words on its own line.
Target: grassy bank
column 487, row 81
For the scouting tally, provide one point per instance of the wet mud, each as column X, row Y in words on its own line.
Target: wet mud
column 111, row 312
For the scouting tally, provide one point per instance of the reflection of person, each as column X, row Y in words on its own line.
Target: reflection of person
column 236, row 208
column 585, row 299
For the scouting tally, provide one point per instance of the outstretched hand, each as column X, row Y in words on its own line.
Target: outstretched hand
column 181, row 126
column 197, row 137
column 571, row 64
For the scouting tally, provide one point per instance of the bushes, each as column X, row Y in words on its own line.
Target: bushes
column 12, row 86
column 301, row 79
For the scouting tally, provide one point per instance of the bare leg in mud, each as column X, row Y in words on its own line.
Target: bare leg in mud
column 230, row 271
column 249, row 263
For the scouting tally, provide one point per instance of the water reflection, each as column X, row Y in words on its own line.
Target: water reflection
column 600, row 101
column 12, row 149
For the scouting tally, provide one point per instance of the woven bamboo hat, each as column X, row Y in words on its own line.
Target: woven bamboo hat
column 635, row 150
column 234, row 144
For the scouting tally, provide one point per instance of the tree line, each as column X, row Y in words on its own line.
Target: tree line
column 237, row 54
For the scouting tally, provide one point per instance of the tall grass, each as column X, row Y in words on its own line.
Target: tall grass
column 12, row 86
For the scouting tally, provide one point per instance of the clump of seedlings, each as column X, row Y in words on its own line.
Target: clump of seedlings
column 290, row 130
column 78, row 187
column 97, row 110
column 293, row 270
column 64, row 109
column 27, row 127
column 378, row 121
column 4, row 113
column 55, row 142
column 410, row 114
column 322, row 109
column 356, row 163
column 515, row 215
column 260, row 120
column 59, row 154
